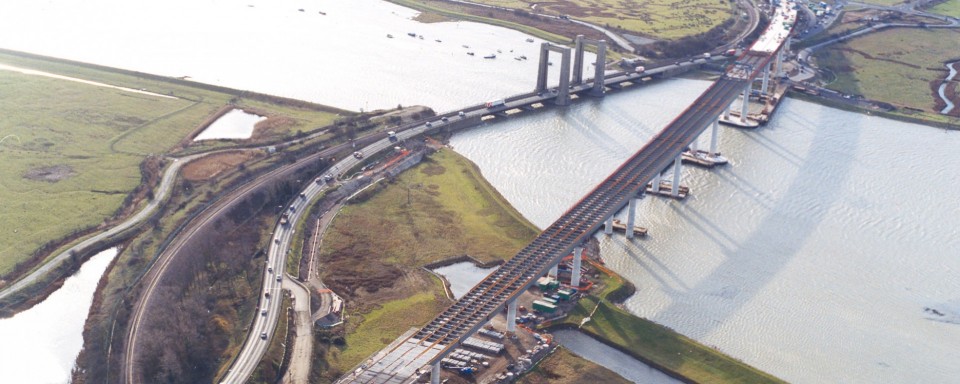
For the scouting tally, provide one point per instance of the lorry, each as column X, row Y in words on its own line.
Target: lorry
column 641, row 69
column 495, row 103
column 392, row 135
column 285, row 219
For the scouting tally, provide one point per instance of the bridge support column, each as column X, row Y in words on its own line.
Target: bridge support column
column 714, row 132
column 563, row 96
column 554, row 271
column 575, row 272
column 631, row 217
column 608, row 226
column 578, row 60
column 766, row 78
column 580, row 42
column 675, row 188
column 726, row 112
column 542, row 69
column 435, row 373
column 693, row 145
column 512, row 316
column 598, row 88
column 744, row 108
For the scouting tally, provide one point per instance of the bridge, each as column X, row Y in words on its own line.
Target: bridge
column 419, row 352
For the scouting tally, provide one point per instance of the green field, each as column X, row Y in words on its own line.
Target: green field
column 947, row 8
column 896, row 66
column 72, row 150
column 663, row 19
column 374, row 250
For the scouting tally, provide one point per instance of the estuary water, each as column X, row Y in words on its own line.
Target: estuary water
column 826, row 251
column 41, row 344
column 341, row 57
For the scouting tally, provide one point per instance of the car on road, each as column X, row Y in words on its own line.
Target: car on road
column 263, row 312
column 270, row 269
column 263, row 335
column 461, row 114
column 279, row 278
column 443, row 119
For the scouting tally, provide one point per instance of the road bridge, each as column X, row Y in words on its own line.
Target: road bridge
column 415, row 354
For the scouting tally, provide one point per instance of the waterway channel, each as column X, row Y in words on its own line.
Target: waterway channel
column 825, row 252
column 41, row 344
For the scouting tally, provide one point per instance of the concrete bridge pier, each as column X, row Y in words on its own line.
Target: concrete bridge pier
column 675, row 187
column 580, row 42
column 563, row 91
column 765, row 82
column 631, row 216
column 435, row 373
column 512, row 316
column 745, row 105
column 608, row 226
column 575, row 272
column 656, row 183
column 714, row 133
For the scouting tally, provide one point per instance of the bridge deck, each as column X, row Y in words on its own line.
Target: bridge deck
column 402, row 362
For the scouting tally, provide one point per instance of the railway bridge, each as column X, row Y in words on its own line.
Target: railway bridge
column 419, row 352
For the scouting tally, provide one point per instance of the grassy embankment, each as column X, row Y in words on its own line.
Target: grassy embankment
column 76, row 156
column 655, row 344
column 659, row 19
column 902, row 67
column 373, row 252
column 947, row 8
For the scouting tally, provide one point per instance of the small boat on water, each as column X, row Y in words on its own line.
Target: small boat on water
column 522, row 57
column 529, row 40
column 499, row 51
column 438, row 40
column 466, row 46
column 517, row 58
column 411, row 34
column 490, row 56
column 470, row 53
column 389, row 36
column 323, row 13
column 420, row 37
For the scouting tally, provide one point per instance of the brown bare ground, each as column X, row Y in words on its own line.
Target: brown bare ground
column 51, row 174
column 214, row 165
